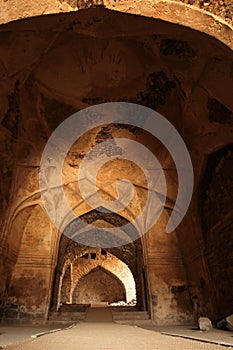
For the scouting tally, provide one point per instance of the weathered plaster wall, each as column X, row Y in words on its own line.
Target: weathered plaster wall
column 169, row 286
column 29, row 290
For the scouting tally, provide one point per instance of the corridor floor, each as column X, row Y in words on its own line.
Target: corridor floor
column 99, row 332
column 109, row 336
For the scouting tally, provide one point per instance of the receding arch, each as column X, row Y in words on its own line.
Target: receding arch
column 116, row 267
column 131, row 255
column 99, row 285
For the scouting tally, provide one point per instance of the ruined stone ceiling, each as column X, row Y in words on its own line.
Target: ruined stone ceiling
column 52, row 66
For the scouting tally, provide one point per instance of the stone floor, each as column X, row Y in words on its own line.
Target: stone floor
column 110, row 336
column 98, row 332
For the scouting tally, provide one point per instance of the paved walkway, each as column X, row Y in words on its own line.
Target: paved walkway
column 99, row 332
column 110, row 336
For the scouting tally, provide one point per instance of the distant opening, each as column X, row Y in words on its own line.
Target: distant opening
column 99, row 285
column 96, row 276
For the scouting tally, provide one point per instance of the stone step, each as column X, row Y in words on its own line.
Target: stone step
column 119, row 316
column 74, row 307
column 60, row 323
column 130, row 315
column 139, row 323
column 67, row 316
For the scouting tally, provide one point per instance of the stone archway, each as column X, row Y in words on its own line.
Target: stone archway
column 100, row 258
column 129, row 257
column 99, row 285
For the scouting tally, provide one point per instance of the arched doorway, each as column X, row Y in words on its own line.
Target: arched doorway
column 91, row 261
column 125, row 263
column 99, row 285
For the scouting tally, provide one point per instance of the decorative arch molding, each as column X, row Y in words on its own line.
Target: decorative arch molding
column 114, row 219
column 75, row 249
column 20, row 221
column 166, row 10
column 84, row 215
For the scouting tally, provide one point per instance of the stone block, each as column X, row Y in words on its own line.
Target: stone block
column 226, row 323
column 229, row 322
column 204, row 324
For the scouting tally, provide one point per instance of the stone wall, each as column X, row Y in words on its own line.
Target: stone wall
column 218, row 228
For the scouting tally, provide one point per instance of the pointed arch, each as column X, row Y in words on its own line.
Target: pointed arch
column 99, row 284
